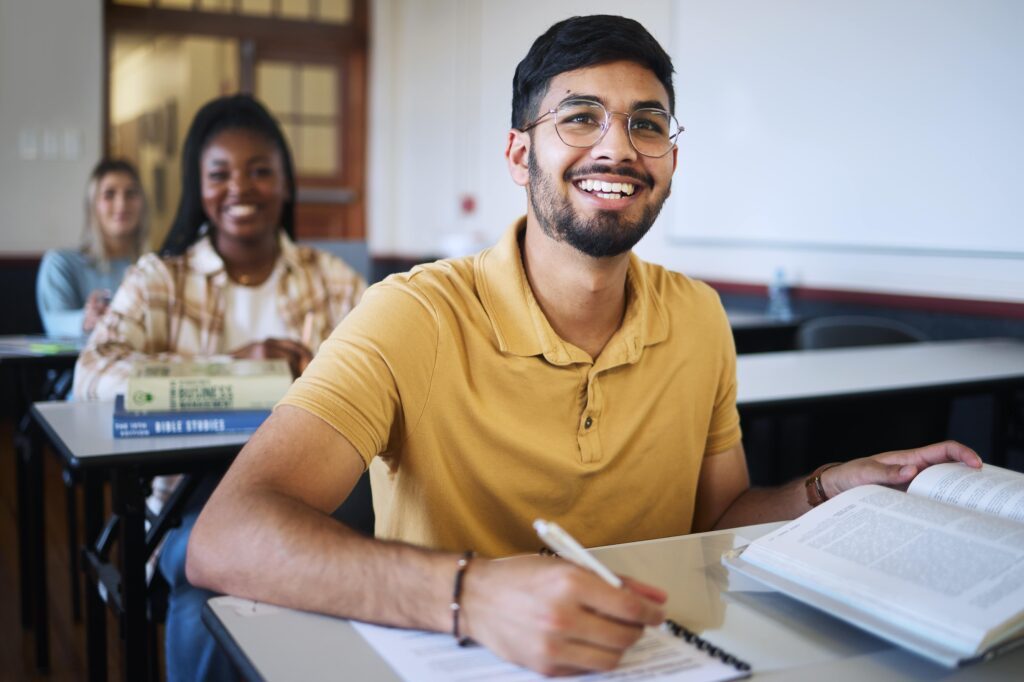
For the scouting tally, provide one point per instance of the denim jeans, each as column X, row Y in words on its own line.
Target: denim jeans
column 190, row 650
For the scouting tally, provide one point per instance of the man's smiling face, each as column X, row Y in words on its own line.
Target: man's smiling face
column 600, row 200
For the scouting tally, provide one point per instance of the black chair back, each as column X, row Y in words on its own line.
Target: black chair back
column 783, row 447
column 852, row 330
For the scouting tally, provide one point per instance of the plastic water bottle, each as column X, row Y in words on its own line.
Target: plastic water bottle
column 779, row 307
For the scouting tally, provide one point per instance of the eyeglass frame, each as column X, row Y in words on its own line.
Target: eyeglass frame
column 606, row 126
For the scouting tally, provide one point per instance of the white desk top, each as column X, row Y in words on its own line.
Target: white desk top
column 800, row 375
column 86, row 431
column 85, row 428
column 781, row 638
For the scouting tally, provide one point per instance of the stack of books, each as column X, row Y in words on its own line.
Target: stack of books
column 180, row 398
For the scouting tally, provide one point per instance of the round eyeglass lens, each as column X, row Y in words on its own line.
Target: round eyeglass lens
column 580, row 124
column 652, row 131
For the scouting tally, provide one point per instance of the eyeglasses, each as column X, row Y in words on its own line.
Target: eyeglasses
column 583, row 123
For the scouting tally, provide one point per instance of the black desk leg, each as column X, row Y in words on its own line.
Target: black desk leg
column 74, row 569
column 95, row 609
column 1002, row 408
column 37, row 551
column 130, row 504
column 22, row 457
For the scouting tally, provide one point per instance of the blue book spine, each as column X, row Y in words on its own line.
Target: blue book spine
column 145, row 424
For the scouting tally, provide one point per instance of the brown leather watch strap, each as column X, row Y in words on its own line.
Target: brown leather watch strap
column 815, row 491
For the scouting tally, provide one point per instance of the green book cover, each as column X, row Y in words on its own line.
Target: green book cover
column 214, row 385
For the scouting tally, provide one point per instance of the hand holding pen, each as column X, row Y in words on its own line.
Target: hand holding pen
column 554, row 618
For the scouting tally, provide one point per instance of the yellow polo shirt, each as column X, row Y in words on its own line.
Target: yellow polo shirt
column 476, row 418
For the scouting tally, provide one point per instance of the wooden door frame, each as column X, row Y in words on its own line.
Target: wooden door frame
column 280, row 37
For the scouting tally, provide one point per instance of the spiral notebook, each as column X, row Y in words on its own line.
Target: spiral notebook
column 668, row 653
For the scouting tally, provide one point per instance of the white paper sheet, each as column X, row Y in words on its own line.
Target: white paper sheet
column 434, row 657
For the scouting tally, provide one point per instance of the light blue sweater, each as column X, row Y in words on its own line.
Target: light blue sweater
column 66, row 278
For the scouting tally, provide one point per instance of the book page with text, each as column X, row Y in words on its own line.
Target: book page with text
column 990, row 490
column 915, row 563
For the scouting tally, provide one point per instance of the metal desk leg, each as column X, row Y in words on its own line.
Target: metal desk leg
column 130, row 504
column 37, row 551
column 95, row 609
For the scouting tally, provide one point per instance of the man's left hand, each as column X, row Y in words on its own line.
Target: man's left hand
column 895, row 469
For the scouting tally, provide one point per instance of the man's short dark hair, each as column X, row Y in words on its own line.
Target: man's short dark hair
column 579, row 42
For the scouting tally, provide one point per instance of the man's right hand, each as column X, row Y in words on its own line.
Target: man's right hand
column 554, row 617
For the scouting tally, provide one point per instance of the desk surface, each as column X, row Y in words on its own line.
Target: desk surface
column 83, row 433
column 841, row 372
column 38, row 346
column 83, row 430
column 782, row 639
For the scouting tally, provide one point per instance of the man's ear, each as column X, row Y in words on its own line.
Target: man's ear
column 517, row 153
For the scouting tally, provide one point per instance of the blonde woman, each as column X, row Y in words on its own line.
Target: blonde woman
column 74, row 286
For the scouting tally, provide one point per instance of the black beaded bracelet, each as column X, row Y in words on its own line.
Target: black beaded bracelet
column 456, row 605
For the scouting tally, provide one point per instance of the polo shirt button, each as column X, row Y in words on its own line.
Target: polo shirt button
column 588, row 423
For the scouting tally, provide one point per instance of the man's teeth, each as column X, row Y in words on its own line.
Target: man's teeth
column 607, row 190
column 241, row 210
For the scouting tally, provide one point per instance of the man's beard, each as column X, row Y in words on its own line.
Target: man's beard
column 603, row 235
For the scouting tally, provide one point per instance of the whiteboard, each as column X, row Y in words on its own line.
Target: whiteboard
column 888, row 125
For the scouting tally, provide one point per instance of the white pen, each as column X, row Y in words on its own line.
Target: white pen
column 566, row 546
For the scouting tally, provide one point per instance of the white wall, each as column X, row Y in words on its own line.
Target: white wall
column 873, row 145
column 441, row 100
column 913, row 190
column 50, row 103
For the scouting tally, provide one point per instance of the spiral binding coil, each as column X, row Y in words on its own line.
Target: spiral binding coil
column 704, row 645
column 688, row 635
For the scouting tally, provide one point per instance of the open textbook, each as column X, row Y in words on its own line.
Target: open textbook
column 938, row 569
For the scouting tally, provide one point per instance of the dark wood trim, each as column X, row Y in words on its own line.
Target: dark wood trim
column 247, row 66
column 399, row 263
column 104, row 150
column 16, row 260
column 308, row 34
column 936, row 304
column 736, row 288
column 354, row 152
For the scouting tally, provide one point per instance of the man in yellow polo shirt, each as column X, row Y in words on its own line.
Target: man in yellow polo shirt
column 553, row 375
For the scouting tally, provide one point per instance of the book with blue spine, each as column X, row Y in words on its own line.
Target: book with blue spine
column 132, row 424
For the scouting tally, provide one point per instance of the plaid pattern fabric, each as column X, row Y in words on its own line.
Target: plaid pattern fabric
column 174, row 308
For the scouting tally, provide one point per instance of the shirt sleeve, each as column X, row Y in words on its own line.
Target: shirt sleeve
column 724, row 432
column 133, row 329
column 61, row 304
column 371, row 378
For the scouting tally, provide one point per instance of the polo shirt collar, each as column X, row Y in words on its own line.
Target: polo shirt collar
column 521, row 327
